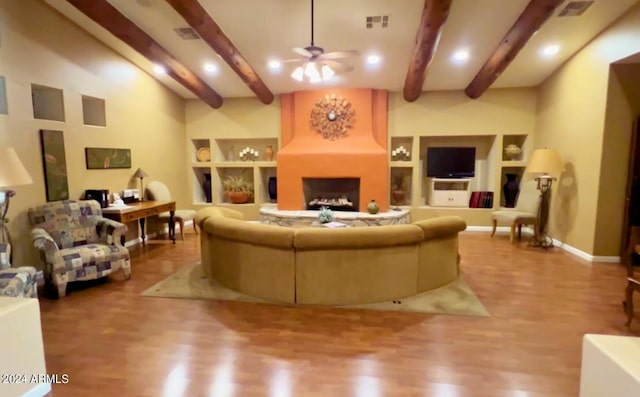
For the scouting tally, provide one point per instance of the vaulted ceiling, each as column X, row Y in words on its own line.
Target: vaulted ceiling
column 505, row 41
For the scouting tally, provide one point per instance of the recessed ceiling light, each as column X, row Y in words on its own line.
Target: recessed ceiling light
column 159, row 69
column 274, row 64
column 373, row 59
column 460, row 56
column 550, row 50
column 210, row 67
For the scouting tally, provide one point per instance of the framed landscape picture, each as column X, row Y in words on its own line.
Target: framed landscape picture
column 104, row 158
column 55, row 165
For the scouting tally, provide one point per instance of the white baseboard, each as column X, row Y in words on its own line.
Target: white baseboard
column 138, row 240
column 556, row 243
column 39, row 391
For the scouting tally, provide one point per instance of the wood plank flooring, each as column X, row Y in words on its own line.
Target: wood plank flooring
column 113, row 342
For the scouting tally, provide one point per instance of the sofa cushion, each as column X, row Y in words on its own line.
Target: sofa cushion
column 208, row 212
column 254, row 233
column 19, row 282
column 356, row 237
column 91, row 258
column 69, row 222
column 442, row 226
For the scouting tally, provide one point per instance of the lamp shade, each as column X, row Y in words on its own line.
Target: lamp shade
column 545, row 161
column 12, row 172
column 140, row 173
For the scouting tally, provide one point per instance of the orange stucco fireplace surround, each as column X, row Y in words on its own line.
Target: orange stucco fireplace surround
column 361, row 154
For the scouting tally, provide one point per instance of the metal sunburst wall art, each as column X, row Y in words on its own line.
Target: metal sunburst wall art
column 332, row 116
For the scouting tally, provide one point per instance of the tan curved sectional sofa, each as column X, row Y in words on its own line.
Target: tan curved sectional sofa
column 328, row 266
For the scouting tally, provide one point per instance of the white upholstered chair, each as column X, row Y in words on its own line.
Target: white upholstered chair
column 525, row 212
column 160, row 192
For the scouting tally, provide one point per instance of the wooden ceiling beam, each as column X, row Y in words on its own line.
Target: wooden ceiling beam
column 534, row 15
column 111, row 19
column 198, row 18
column 434, row 16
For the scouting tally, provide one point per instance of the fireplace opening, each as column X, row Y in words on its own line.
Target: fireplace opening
column 338, row 194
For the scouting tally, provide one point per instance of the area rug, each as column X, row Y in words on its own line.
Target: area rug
column 456, row 298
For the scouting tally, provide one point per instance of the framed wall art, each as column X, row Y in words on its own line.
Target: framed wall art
column 55, row 165
column 105, row 158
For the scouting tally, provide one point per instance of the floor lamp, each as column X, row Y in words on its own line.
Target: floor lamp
column 544, row 163
column 12, row 173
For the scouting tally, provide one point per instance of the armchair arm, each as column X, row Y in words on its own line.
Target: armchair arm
column 110, row 230
column 43, row 241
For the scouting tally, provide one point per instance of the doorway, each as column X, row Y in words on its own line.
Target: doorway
column 632, row 196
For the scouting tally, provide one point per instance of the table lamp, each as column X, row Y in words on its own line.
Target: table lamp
column 140, row 174
column 12, row 173
column 545, row 163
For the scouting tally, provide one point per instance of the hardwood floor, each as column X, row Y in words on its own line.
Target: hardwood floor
column 113, row 342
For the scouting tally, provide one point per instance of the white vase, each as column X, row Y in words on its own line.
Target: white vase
column 231, row 156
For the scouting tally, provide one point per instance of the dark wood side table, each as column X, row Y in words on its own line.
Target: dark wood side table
column 140, row 211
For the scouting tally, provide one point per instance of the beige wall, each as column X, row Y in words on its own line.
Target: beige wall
column 434, row 113
column 40, row 46
column 498, row 111
column 573, row 118
column 237, row 118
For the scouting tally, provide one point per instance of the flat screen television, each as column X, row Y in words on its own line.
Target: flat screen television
column 451, row 162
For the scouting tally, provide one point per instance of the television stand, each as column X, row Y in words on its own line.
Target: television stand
column 450, row 192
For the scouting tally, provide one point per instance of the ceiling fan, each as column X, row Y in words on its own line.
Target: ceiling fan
column 316, row 64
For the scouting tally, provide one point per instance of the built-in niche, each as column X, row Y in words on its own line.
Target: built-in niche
column 48, row 103
column 4, row 109
column 93, row 111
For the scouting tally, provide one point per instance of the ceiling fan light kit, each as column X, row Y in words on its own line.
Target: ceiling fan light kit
column 317, row 65
column 310, row 70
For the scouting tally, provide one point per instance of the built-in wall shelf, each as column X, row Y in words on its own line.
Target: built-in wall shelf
column 522, row 164
column 4, row 107
column 491, row 167
column 48, row 103
column 407, row 164
column 94, row 111
column 223, row 162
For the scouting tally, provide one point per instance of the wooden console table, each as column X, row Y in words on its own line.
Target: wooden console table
column 140, row 212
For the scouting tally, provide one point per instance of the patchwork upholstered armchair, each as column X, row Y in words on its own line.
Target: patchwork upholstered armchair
column 77, row 243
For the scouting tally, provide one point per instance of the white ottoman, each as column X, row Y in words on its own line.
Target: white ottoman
column 22, row 354
column 610, row 366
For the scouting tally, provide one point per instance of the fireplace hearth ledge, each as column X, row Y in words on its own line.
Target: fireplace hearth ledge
column 301, row 218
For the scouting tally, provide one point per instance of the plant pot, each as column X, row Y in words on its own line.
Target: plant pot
column 238, row 197
column 399, row 197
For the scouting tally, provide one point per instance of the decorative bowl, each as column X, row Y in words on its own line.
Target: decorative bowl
column 512, row 151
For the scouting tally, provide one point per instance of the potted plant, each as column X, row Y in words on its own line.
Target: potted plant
column 238, row 189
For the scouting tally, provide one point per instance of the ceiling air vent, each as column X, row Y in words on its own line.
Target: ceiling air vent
column 378, row 21
column 575, row 8
column 187, row 33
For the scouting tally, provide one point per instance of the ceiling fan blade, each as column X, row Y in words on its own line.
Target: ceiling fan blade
column 293, row 60
column 339, row 54
column 338, row 66
column 302, row 51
